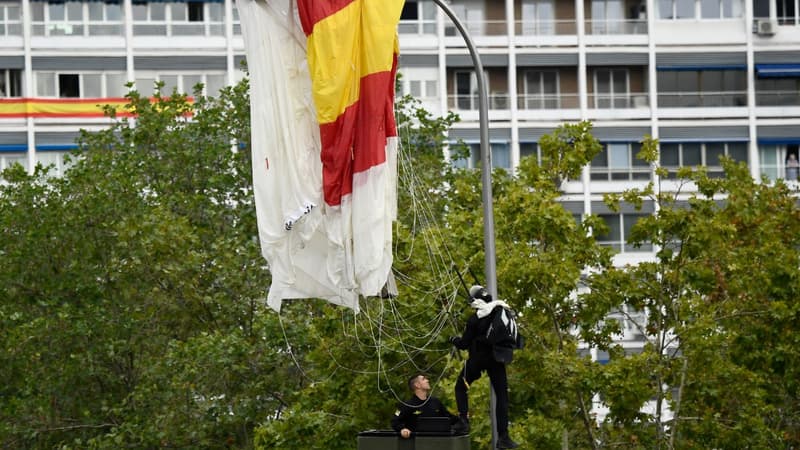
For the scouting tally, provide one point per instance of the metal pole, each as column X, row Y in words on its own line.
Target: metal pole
column 490, row 264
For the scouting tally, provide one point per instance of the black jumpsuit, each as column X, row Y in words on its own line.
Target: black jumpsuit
column 406, row 414
column 481, row 358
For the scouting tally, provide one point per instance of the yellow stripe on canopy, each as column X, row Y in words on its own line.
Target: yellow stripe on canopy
column 354, row 42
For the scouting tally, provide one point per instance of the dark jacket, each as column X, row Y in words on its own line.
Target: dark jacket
column 473, row 338
column 407, row 414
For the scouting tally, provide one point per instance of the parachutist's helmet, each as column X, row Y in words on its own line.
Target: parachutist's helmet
column 480, row 292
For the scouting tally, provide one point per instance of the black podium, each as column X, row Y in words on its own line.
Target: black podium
column 389, row 440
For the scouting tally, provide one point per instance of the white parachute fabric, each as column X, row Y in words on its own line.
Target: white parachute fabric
column 374, row 209
column 304, row 259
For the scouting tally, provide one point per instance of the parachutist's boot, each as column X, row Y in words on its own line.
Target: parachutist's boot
column 506, row 442
column 462, row 426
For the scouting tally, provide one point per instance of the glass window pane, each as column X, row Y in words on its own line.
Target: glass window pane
column 45, row 84
column 665, row 9
column 113, row 11
column 692, row 155
column 618, row 155
column 115, row 85
column 431, row 88
column 635, row 149
column 710, row 9
column 215, row 12
column 713, row 151
column 614, row 230
column 415, row 88
column 603, row 81
column 601, row 158
column 670, row 155
column 145, row 86
column 549, row 82
column 738, row 151
column 158, row 11
column 711, row 80
column 620, row 81
column 92, row 85
column 529, row 149
column 684, row 9
column 501, row 155
column 140, row 11
column 189, row 82
column 74, row 11
column 178, row 11
column 96, row 11
column 56, row 11
column 214, row 84
column 37, row 11
column 170, row 84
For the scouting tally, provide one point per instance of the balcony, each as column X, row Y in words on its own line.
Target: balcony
column 703, row 99
column 545, row 28
column 628, row 100
column 547, row 101
column 616, row 27
column 778, row 98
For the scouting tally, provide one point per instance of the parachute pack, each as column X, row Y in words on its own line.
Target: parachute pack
column 503, row 334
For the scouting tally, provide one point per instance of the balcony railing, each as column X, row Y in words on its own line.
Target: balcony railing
column 547, row 101
column 10, row 28
column 545, row 28
column 498, row 101
column 626, row 100
column 77, row 28
column 702, row 99
column 479, row 28
column 778, row 98
column 167, row 28
column 615, row 27
column 417, row 27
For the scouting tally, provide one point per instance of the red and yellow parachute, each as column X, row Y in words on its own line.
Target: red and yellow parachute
column 324, row 143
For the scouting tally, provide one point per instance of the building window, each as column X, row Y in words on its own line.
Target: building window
column 538, row 18
column 702, row 88
column 775, row 161
column 700, row 9
column 541, row 90
column 81, row 85
column 786, row 12
column 618, row 161
column 76, row 18
column 530, row 149
column 418, row 17
column 501, row 156
column 466, row 89
column 10, row 19
column 608, row 17
column 471, row 15
column 676, row 155
column 10, row 83
column 619, row 231
column 179, row 19
column 611, row 88
column 778, row 91
column 10, row 158
column 180, row 82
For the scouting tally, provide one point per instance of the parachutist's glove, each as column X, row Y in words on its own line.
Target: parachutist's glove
column 455, row 340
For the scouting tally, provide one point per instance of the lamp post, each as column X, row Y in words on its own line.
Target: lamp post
column 490, row 263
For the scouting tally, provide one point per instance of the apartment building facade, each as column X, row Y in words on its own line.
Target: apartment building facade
column 705, row 77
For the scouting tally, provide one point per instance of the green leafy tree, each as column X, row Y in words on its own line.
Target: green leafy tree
column 720, row 300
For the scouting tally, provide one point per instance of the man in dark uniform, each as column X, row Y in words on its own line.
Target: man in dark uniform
column 420, row 405
column 481, row 358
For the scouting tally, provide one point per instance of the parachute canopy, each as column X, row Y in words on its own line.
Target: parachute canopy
column 324, row 143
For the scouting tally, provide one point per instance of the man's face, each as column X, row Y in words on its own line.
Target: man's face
column 423, row 383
